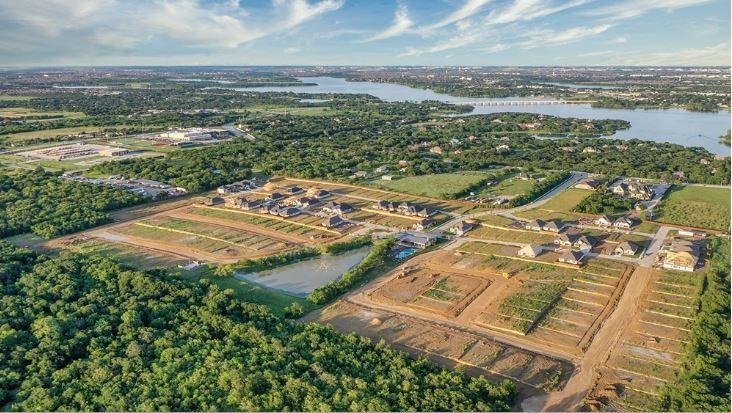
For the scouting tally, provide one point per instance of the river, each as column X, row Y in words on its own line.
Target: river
column 301, row 278
column 661, row 125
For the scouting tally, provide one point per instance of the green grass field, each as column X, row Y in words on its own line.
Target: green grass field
column 139, row 258
column 508, row 185
column 696, row 206
column 15, row 97
column 443, row 186
column 24, row 112
column 567, row 200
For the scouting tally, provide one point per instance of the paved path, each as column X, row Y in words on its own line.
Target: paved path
column 573, row 179
column 649, row 257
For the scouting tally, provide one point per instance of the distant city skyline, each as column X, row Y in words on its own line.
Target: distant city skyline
column 358, row 32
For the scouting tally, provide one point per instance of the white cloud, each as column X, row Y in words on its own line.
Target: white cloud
column 517, row 11
column 66, row 30
column 401, row 24
column 554, row 38
column 300, row 11
column 469, row 8
column 633, row 8
column 718, row 54
column 526, row 10
column 194, row 24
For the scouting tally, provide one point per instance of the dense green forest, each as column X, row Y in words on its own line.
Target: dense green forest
column 333, row 146
column 84, row 333
column 704, row 381
column 39, row 201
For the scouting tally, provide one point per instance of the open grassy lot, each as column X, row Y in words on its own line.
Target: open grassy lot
column 508, row 185
column 136, row 257
column 25, row 112
column 696, row 206
column 444, row 186
column 15, row 97
column 20, row 138
column 567, row 200
column 306, row 111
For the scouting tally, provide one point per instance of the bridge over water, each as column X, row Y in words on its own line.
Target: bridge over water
column 521, row 102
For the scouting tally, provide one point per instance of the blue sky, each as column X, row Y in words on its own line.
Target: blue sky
column 364, row 32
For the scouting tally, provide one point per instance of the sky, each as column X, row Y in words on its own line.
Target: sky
column 364, row 32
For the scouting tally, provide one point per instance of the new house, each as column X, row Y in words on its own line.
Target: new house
column 461, row 227
column 553, row 226
column 571, row 257
column 535, row 225
column 681, row 255
column 604, row 221
column 332, row 222
column 336, row 208
column 626, row 248
column 585, row 242
column 623, row 223
column 530, row 251
column 423, row 224
column 318, row 193
column 416, row 240
column 566, row 239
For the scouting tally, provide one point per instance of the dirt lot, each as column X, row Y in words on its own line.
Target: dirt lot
column 478, row 355
column 649, row 352
column 434, row 291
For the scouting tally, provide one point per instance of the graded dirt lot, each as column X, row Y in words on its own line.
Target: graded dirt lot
column 443, row 298
column 649, row 353
column 449, row 347
column 187, row 229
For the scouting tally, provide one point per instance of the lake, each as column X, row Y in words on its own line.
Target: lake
column 661, row 125
column 301, row 278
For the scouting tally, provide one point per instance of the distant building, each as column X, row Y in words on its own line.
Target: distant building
column 387, row 177
column 292, row 190
column 585, row 242
column 591, row 184
column 318, row 193
column 288, row 212
column 187, row 135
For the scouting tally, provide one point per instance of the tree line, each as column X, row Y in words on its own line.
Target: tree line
column 85, row 333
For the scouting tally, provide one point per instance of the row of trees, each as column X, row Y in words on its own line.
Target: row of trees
column 603, row 201
column 84, row 333
column 354, row 275
column 540, row 188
